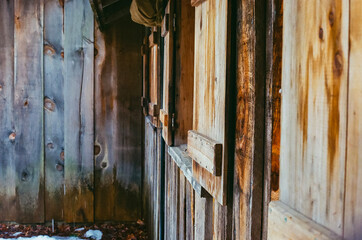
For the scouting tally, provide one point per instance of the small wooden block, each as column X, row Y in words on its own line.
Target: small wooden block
column 205, row 151
column 196, row 3
column 286, row 223
column 164, row 118
column 153, row 109
column 165, row 25
column 153, row 39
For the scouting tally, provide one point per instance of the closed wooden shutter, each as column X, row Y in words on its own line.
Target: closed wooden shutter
column 314, row 114
column 207, row 140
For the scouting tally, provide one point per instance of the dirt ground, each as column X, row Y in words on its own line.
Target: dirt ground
column 127, row 231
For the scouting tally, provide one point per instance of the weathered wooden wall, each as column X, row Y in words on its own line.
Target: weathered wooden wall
column 189, row 211
column 70, row 125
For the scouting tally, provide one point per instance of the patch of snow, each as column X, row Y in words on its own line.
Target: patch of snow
column 44, row 237
column 94, row 234
column 79, row 229
column 16, row 234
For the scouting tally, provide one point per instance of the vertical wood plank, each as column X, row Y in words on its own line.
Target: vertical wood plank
column 353, row 200
column 182, row 206
column 168, row 78
column 78, row 117
column 190, row 212
column 249, row 135
column 149, row 182
column 203, row 218
column 28, row 110
column 118, row 122
column 184, row 70
column 274, row 44
column 314, row 99
column 54, row 109
column 7, row 149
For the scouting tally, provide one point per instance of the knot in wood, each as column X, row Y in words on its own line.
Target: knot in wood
column 12, row 136
column 49, row 104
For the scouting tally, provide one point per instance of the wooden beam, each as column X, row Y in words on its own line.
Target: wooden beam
column 205, row 151
column 286, row 223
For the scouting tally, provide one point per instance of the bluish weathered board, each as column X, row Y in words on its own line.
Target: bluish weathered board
column 54, row 109
column 28, row 110
column 118, row 122
column 79, row 114
column 7, row 164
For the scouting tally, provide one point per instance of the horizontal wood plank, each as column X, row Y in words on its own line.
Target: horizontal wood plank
column 205, row 151
column 286, row 223
column 184, row 162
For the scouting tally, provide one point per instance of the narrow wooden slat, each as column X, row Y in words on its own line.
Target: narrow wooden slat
column 145, row 76
column 78, row 117
column 286, row 223
column 7, row 150
column 205, row 151
column 190, row 212
column 182, row 207
column 353, row 191
column 274, row 44
column 28, row 111
column 184, row 70
column 118, row 122
column 154, row 78
column 203, row 218
column 168, row 69
column 314, row 113
column 149, row 182
column 54, row 109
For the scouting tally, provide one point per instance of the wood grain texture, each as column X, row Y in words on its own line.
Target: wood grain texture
column 250, row 121
column 28, row 102
column 210, row 80
column 184, row 70
column 314, row 113
column 79, row 116
column 204, row 228
column 205, row 151
column 145, row 75
column 286, row 223
column 168, row 75
column 151, row 187
column 274, row 46
column 353, row 191
column 180, row 156
column 154, row 77
column 118, row 122
column 190, row 212
column 54, row 109
column 8, row 176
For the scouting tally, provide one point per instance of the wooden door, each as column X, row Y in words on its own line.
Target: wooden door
column 207, row 143
column 320, row 95
column 167, row 112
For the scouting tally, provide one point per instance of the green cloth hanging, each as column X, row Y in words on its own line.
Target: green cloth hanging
column 148, row 12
